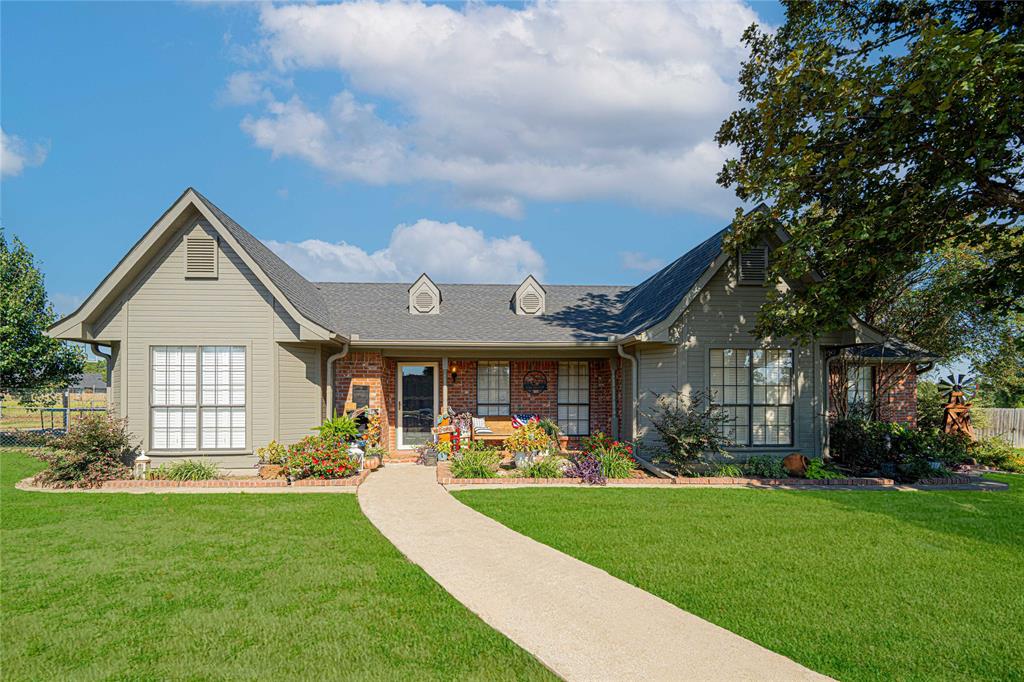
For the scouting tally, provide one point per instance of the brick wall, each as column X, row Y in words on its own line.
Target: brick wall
column 543, row 404
column 897, row 394
column 462, row 394
column 601, row 396
column 372, row 370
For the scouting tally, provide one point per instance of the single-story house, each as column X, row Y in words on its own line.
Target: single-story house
column 216, row 346
column 89, row 382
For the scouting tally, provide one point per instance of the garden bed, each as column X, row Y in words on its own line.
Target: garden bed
column 211, row 485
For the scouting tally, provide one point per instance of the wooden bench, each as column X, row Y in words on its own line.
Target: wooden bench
column 501, row 428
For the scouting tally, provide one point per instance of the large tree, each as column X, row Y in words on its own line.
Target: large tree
column 31, row 363
column 887, row 138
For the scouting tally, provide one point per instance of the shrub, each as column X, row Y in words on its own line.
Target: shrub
column 342, row 427
column 930, row 404
column 97, row 448
column 727, row 471
column 319, row 457
column 764, row 466
column 595, row 441
column 528, row 438
column 551, row 428
column 185, row 470
column 273, row 453
column 547, row 467
column 585, row 466
column 870, row 447
column 475, row 462
column 691, row 429
column 998, row 454
column 817, row 469
column 376, row 451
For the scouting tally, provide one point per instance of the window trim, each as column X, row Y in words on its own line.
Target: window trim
column 508, row 375
column 558, row 398
column 854, row 384
column 750, row 445
column 247, row 448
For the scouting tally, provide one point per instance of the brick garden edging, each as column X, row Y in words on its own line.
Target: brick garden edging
column 775, row 482
column 213, row 485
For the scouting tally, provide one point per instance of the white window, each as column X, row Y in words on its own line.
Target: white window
column 755, row 389
column 574, row 397
column 860, row 386
column 492, row 388
column 198, row 391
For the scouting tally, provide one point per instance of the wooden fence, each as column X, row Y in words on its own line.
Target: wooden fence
column 1005, row 422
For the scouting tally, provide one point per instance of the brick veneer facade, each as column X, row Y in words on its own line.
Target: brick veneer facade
column 370, row 368
column 895, row 390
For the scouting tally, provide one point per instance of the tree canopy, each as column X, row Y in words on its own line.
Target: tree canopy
column 31, row 363
column 887, row 139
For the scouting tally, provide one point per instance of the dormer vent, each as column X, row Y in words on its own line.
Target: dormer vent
column 753, row 266
column 424, row 297
column 529, row 298
column 200, row 255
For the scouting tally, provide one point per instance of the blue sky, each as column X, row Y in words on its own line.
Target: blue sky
column 573, row 140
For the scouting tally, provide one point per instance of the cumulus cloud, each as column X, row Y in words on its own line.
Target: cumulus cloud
column 634, row 260
column 16, row 154
column 550, row 101
column 449, row 252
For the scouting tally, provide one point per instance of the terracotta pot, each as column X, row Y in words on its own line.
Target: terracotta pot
column 271, row 471
column 371, row 463
column 563, row 443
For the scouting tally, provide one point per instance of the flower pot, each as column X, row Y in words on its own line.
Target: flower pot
column 563, row 443
column 271, row 471
column 371, row 463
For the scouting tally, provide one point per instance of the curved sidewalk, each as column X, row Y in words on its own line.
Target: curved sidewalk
column 578, row 620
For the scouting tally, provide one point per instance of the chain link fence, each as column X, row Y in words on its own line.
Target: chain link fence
column 30, row 425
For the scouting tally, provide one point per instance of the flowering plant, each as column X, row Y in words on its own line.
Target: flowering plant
column 530, row 437
column 615, row 457
column 320, row 457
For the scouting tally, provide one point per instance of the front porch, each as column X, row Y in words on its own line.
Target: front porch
column 581, row 392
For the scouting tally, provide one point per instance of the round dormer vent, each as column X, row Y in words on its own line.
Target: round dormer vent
column 530, row 302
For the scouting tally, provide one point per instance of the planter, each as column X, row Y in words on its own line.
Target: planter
column 563, row 443
column 371, row 463
column 271, row 471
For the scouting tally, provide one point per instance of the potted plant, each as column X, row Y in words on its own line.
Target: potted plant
column 373, row 457
column 272, row 460
column 527, row 442
column 554, row 432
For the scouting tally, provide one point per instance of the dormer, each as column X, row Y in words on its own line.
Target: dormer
column 424, row 297
column 529, row 298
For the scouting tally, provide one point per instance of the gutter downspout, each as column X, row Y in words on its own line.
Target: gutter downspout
column 635, row 384
column 106, row 356
column 330, row 374
column 615, row 411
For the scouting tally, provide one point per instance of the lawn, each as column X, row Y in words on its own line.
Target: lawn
column 223, row 587
column 858, row 585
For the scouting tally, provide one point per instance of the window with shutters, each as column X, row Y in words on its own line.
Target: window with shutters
column 753, row 266
column 198, row 398
column 492, row 388
column 200, row 256
column 755, row 389
column 574, row 397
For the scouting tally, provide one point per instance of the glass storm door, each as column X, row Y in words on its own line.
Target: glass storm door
column 417, row 402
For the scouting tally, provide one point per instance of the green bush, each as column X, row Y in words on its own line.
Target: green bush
column 873, row 447
column 546, row 467
column 341, row 427
column 817, row 469
column 320, row 457
column 185, row 470
column 96, row 448
column 996, row 453
column 727, row 471
column 476, row 462
column 273, row 453
column 616, row 459
column 691, row 428
column 764, row 466
column 930, row 405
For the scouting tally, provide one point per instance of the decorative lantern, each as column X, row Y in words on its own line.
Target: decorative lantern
column 141, row 465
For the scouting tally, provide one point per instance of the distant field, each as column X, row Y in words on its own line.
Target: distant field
column 15, row 415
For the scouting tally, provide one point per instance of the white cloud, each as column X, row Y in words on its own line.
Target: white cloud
column 448, row 252
column 551, row 101
column 634, row 260
column 65, row 304
column 16, row 154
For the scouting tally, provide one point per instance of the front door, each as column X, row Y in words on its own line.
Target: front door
column 417, row 402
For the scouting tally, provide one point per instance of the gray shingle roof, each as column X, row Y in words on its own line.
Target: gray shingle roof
column 481, row 312
column 299, row 291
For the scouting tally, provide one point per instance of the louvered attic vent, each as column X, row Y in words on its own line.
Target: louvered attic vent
column 529, row 297
column 530, row 302
column 753, row 266
column 201, row 256
column 424, row 297
column 424, row 301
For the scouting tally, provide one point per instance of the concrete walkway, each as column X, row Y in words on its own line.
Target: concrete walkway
column 576, row 619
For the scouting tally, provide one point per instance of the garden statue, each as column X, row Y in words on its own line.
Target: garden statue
column 956, row 418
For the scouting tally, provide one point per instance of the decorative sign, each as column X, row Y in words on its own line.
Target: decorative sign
column 361, row 396
column 535, row 382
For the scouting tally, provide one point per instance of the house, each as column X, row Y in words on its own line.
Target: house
column 217, row 347
column 89, row 382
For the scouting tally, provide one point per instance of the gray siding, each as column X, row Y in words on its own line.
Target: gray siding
column 161, row 307
column 299, row 387
column 723, row 316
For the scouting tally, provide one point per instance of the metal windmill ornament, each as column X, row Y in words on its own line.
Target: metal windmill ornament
column 958, row 389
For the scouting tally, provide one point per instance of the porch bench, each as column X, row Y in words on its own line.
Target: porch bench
column 501, row 428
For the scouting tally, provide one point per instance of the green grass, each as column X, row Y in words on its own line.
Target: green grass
column 858, row 585
column 223, row 587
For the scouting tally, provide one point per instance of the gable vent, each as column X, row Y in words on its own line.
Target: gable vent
column 530, row 302
column 201, row 256
column 424, row 301
column 753, row 266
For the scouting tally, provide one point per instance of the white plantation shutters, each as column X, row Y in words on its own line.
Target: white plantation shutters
column 223, row 396
column 198, row 397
